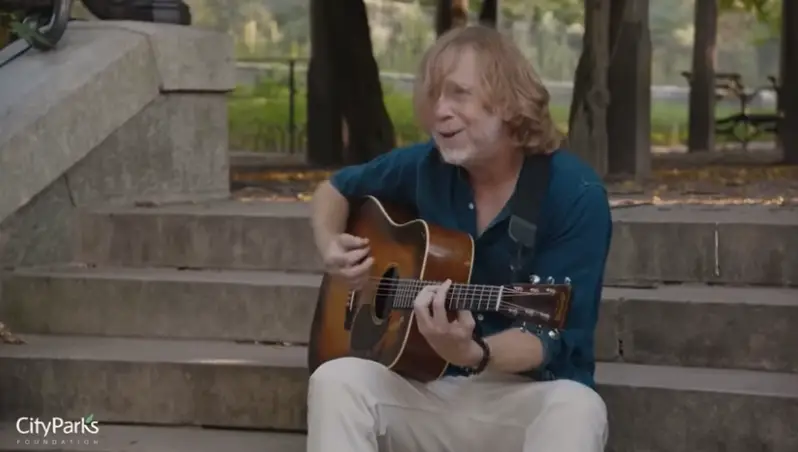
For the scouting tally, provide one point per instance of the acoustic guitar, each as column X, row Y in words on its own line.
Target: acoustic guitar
column 377, row 322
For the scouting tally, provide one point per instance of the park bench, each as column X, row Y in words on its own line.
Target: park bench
column 744, row 126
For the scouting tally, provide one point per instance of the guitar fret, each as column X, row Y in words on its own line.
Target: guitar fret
column 402, row 292
column 461, row 296
column 499, row 298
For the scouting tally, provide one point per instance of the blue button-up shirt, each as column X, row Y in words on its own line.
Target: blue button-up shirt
column 573, row 238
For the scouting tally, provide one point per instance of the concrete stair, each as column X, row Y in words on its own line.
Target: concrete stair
column 187, row 316
column 157, row 439
column 636, row 325
column 214, row 383
column 737, row 245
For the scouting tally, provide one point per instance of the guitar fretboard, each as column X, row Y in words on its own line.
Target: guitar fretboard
column 469, row 297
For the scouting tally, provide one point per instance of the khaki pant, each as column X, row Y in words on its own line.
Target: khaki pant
column 356, row 405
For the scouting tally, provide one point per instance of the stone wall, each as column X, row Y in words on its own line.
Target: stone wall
column 122, row 113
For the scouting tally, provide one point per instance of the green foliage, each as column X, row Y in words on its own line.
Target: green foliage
column 767, row 12
column 28, row 33
column 12, row 27
column 258, row 118
column 5, row 29
column 547, row 31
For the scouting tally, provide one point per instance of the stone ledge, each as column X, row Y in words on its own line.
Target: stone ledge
column 701, row 326
column 188, row 58
column 55, row 107
column 251, row 386
column 161, row 302
column 174, row 149
column 278, row 307
column 756, row 245
column 128, row 438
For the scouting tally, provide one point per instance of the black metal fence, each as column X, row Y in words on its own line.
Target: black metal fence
column 267, row 112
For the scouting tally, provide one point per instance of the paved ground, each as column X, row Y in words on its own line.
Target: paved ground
column 729, row 176
column 121, row 438
column 715, row 185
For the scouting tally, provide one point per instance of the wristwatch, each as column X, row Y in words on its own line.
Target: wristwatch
column 483, row 363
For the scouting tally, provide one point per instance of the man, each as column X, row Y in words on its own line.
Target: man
column 514, row 388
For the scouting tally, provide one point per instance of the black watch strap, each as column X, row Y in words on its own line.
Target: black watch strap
column 483, row 363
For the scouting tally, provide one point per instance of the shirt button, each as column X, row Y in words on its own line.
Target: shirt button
column 471, row 205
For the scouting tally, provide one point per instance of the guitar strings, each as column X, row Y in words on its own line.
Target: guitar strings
column 424, row 282
column 462, row 293
column 504, row 307
column 394, row 286
column 390, row 286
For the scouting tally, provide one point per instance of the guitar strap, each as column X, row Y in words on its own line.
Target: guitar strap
column 526, row 203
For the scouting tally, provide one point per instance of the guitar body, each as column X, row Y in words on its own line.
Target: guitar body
column 402, row 247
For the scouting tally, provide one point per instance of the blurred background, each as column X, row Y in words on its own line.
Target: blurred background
column 272, row 39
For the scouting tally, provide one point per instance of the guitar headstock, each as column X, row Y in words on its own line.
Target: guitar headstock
column 544, row 303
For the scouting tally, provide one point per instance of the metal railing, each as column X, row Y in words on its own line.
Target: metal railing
column 287, row 135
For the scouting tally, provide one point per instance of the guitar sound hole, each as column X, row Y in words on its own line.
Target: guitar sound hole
column 386, row 289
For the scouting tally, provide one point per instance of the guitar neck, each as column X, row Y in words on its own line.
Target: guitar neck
column 459, row 297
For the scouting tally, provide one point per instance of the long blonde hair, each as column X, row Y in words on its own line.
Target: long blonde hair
column 510, row 86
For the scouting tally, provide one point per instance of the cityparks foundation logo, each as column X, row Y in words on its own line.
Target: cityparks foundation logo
column 57, row 431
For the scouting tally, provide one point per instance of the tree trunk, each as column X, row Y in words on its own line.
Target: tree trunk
column 5, row 29
column 324, row 118
column 629, row 82
column 344, row 90
column 443, row 16
column 450, row 14
column 369, row 128
column 489, row 13
column 788, row 94
column 587, row 122
column 701, row 134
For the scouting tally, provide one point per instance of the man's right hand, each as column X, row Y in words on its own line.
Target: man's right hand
column 348, row 257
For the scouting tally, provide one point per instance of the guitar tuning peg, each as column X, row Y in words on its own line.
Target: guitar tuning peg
column 567, row 281
column 550, row 280
column 534, row 279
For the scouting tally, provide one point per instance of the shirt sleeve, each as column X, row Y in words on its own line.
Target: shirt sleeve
column 391, row 177
column 579, row 253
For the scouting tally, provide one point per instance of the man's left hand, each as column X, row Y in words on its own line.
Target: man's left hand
column 451, row 340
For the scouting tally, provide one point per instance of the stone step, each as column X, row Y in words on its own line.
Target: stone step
column 242, row 305
column 230, row 234
column 689, row 325
column 703, row 326
column 131, row 438
column 749, row 244
column 184, row 382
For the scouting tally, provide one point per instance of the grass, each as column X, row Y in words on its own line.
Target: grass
column 259, row 118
